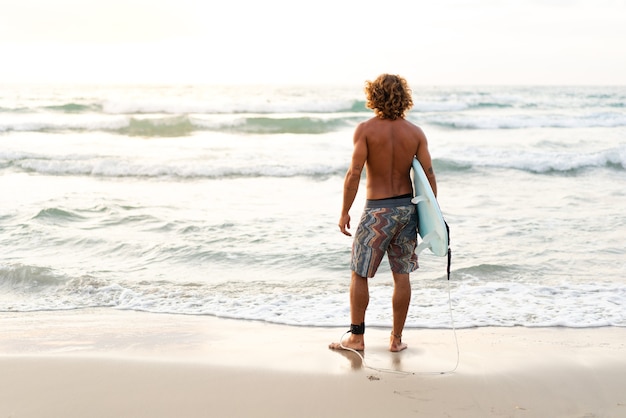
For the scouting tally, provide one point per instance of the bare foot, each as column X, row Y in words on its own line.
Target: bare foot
column 354, row 342
column 396, row 344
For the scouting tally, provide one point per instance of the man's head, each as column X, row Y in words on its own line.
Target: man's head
column 389, row 96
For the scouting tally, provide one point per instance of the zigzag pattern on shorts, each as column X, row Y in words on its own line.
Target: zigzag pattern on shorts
column 381, row 230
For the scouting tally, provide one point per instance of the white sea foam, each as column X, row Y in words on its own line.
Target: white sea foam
column 187, row 166
column 51, row 122
column 474, row 301
column 542, row 161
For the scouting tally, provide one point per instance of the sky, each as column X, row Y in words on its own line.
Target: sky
column 430, row 42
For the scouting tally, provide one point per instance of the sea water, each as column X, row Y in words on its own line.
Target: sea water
column 224, row 201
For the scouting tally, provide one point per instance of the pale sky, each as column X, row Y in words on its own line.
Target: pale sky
column 430, row 42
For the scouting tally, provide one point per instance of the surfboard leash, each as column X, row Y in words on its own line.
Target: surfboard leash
column 449, row 249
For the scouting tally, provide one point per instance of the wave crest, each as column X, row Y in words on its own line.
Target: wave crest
column 183, row 125
column 462, row 161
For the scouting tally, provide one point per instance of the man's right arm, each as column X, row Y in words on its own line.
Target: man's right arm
column 353, row 178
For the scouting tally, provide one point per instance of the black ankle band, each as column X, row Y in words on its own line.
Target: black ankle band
column 357, row 329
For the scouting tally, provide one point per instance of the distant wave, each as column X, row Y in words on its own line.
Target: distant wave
column 210, row 101
column 75, row 108
column 444, row 106
column 183, row 125
column 451, row 165
column 354, row 106
column 173, row 107
column 159, row 127
column 280, row 125
column 529, row 120
column 541, row 162
column 467, row 160
column 86, row 165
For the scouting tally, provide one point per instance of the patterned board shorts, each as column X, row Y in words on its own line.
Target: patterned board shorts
column 386, row 226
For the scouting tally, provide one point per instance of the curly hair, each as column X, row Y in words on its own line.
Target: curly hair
column 389, row 96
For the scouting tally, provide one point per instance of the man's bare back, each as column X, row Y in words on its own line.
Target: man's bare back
column 391, row 146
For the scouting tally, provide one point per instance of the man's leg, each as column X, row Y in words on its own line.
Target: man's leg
column 400, row 302
column 359, row 299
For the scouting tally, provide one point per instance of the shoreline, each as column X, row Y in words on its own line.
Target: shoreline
column 101, row 362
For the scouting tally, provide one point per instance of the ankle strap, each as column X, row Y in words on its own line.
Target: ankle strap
column 357, row 329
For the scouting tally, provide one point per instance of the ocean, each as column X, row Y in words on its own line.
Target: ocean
column 224, row 201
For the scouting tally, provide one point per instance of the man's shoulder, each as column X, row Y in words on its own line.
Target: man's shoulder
column 375, row 124
column 371, row 121
column 367, row 125
column 411, row 126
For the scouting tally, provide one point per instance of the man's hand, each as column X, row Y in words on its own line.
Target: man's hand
column 344, row 224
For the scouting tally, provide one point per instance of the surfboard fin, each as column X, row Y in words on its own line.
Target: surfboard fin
column 426, row 242
column 418, row 199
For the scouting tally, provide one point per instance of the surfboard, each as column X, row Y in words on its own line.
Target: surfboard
column 431, row 225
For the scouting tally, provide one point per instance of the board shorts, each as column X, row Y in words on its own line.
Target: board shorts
column 386, row 226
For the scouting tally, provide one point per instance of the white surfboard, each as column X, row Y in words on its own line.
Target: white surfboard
column 431, row 225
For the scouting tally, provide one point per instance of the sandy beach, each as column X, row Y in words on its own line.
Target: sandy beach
column 104, row 363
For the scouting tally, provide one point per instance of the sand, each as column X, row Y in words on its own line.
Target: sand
column 105, row 363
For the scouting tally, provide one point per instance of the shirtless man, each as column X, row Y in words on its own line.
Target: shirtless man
column 385, row 145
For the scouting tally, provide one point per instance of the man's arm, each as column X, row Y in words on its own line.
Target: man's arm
column 423, row 156
column 353, row 178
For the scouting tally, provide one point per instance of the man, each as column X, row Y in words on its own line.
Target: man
column 385, row 145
